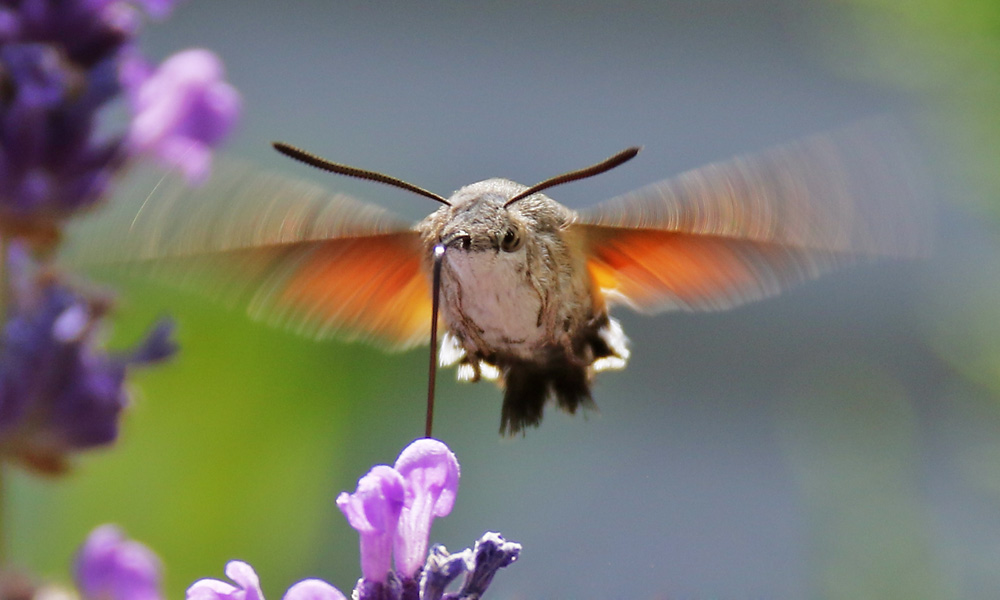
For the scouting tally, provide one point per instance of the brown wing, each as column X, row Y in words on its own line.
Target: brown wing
column 293, row 254
column 745, row 229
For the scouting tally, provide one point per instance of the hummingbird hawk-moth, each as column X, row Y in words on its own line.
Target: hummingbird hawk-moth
column 526, row 283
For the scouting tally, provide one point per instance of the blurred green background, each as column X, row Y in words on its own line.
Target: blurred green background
column 842, row 441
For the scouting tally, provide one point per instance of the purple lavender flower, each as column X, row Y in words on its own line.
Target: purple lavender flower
column 392, row 510
column 248, row 587
column 111, row 567
column 60, row 64
column 373, row 511
column 394, row 507
column 58, row 392
column 431, row 473
column 182, row 110
column 58, row 68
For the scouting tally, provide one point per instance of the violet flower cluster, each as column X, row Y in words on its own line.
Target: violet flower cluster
column 110, row 566
column 64, row 64
column 58, row 393
column 392, row 510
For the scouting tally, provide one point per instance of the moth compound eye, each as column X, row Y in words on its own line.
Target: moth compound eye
column 511, row 241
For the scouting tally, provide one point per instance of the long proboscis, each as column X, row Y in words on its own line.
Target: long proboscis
column 435, row 306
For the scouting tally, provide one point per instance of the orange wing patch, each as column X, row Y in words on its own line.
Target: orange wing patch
column 371, row 288
column 654, row 270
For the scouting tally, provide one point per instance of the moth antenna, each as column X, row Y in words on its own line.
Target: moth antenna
column 432, row 370
column 605, row 165
column 321, row 163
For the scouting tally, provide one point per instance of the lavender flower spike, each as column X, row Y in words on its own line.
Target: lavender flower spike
column 59, row 392
column 61, row 64
column 111, row 567
column 248, row 587
column 431, row 473
column 373, row 511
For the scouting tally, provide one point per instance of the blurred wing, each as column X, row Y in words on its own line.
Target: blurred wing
column 372, row 288
column 745, row 229
column 294, row 255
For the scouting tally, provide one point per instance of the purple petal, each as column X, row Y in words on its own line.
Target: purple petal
column 158, row 345
column 313, row 589
column 247, row 585
column 71, row 325
column 373, row 511
column 133, row 71
column 183, row 110
column 193, row 158
column 244, row 576
column 86, row 412
column 10, row 25
column 37, row 74
column 431, row 473
column 104, row 83
column 210, row 589
column 112, row 567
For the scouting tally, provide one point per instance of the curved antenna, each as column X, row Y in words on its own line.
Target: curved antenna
column 605, row 165
column 321, row 163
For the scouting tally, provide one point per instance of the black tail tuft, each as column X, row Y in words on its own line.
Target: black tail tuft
column 528, row 386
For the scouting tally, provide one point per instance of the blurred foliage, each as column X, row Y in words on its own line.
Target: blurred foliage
column 944, row 51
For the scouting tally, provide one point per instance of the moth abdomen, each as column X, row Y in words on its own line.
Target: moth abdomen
column 528, row 386
column 560, row 377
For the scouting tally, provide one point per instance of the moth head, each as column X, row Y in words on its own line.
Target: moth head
column 478, row 220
